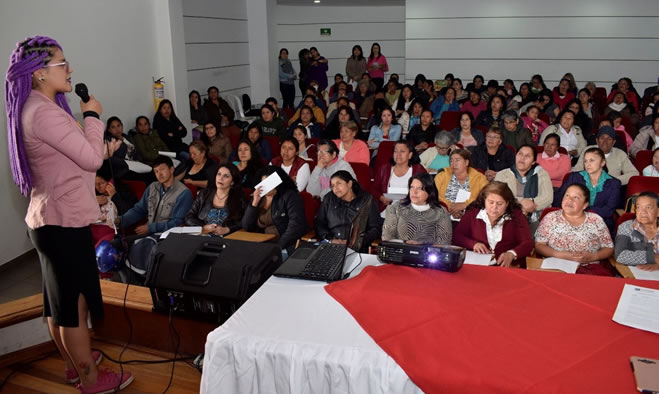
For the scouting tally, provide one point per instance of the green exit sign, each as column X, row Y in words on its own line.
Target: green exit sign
column 326, row 32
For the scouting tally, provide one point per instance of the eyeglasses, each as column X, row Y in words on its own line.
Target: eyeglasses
column 443, row 148
column 65, row 63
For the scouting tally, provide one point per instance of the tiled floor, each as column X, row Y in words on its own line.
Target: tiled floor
column 20, row 278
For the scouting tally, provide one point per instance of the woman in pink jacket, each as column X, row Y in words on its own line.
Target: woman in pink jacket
column 55, row 160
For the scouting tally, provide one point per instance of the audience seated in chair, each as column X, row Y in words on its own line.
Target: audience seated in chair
column 492, row 156
column 147, row 142
column 436, row 158
column 308, row 121
column 219, row 145
column 459, row 176
column 219, row 208
column 652, row 169
column 514, row 132
column 249, row 163
column 418, row 218
column 328, row 163
column 164, row 203
column 494, row 223
column 199, row 169
column 396, row 174
column 466, row 134
column 572, row 138
column 170, row 129
column 339, row 207
column 269, row 123
column 422, row 134
column 217, row 109
column 571, row 233
column 279, row 212
column 618, row 164
column 352, row 149
column 292, row 164
column 635, row 242
column 647, row 137
column 555, row 163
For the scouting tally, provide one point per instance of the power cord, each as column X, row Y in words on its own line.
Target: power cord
column 347, row 274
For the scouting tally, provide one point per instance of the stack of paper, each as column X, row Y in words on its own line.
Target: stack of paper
column 479, row 259
column 645, row 275
column 462, row 196
column 554, row 263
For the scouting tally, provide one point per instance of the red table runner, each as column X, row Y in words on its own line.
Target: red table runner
column 489, row 329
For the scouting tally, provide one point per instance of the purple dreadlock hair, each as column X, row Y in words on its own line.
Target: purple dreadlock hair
column 28, row 57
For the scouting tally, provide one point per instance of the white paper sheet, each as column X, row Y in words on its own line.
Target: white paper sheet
column 564, row 265
column 462, row 196
column 394, row 196
column 138, row 167
column 479, row 259
column 269, row 183
column 645, row 275
column 638, row 307
column 168, row 154
column 182, row 230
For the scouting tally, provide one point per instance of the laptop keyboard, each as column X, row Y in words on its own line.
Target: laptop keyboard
column 324, row 264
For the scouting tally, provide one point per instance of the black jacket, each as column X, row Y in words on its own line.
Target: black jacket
column 417, row 135
column 174, row 126
column 198, row 213
column 503, row 159
column 287, row 211
column 335, row 216
column 485, row 118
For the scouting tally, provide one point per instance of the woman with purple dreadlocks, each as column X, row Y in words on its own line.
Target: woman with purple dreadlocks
column 54, row 161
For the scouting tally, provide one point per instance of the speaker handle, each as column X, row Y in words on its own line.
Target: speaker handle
column 205, row 282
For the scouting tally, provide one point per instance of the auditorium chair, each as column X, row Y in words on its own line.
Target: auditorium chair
column 363, row 173
column 274, row 144
column 544, row 117
column 642, row 160
column 638, row 184
column 627, row 122
column 620, row 136
column 136, row 187
column 385, row 152
column 624, row 217
column 449, row 120
column 547, row 210
column 193, row 189
column 311, row 206
column 599, row 98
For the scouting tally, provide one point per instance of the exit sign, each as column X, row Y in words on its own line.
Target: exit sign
column 326, row 32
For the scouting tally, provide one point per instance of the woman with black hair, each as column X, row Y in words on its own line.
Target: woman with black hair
column 217, row 109
column 296, row 167
column 537, row 84
column 318, row 69
column 581, row 119
column 219, row 208
column 287, row 78
column 355, row 66
column 254, row 134
column 219, row 145
column 339, row 208
column 344, row 114
column 405, row 100
column 308, row 122
column 269, row 123
column 147, row 142
column 403, row 164
column 115, row 130
column 377, row 65
column 279, row 212
column 494, row 114
column 248, row 163
column 419, row 218
column 303, row 56
column 197, row 111
column 171, row 129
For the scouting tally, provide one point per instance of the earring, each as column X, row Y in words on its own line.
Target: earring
column 42, row 79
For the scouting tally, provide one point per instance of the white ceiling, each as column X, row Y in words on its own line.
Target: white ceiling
column 343, row 3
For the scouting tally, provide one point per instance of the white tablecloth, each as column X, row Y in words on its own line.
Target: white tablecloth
column 293, row 337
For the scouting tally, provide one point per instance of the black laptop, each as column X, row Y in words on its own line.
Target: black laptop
column 324, row 262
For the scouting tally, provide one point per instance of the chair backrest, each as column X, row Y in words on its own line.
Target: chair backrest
column 311, row 206
column 544, row 117
column 274, row 144
column 629, row 128
column 640, row 183
column 385, row 152
column 625, row 217
column 247, row 102
column 289, row 112
column 232, row 132
column 136, row 187
column 193, row 190
column 449, row 120
column 235, row 104
column 363, row 173
column 599, row 98
column 643, row 159
column 482, row 128
column 510, row 148
column 547, row 210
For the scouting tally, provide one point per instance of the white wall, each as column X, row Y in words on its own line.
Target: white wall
column 216, row 45
column 299, row 27
column 114, row 47
column 596, row 40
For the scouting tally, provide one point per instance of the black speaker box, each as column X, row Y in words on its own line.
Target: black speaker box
column 208, row 277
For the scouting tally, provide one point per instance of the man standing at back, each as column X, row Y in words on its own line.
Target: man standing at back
column 164, row 202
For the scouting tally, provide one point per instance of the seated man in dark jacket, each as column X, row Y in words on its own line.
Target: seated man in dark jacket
column 164, row 202
column 492, row 156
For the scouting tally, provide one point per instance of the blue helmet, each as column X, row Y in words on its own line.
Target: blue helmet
column 108, row 257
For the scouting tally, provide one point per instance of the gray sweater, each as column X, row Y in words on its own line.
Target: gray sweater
column 319, row 180
column 631, row 247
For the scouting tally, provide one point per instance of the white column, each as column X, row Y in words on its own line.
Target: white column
column 263, row 53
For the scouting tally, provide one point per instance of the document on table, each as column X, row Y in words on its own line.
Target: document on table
column 638, row 307
column 182, row 230
column 479, row 259
column 554, row 263
column 462, row 196
column 269, row 183
column 645, row 275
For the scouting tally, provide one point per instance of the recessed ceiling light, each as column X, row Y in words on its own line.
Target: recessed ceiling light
column 316, row 1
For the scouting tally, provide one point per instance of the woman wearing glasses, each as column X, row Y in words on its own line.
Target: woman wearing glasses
column 54, row 161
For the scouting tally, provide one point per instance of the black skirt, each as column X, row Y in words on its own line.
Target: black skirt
column 68, row 268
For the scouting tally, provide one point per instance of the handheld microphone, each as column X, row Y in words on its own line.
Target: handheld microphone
column 81, row 91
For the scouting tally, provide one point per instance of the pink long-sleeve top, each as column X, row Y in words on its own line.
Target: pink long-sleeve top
column 63, row 160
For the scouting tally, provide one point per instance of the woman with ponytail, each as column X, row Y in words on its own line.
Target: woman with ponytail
column 54, row 161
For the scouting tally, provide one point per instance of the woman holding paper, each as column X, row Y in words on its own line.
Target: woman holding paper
column 279, row 212
column 494, row 223
column 395, row 175
column 636, row 239
column 573, row 234
column 219, row 207
column 459, row 185
column 419, row 217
